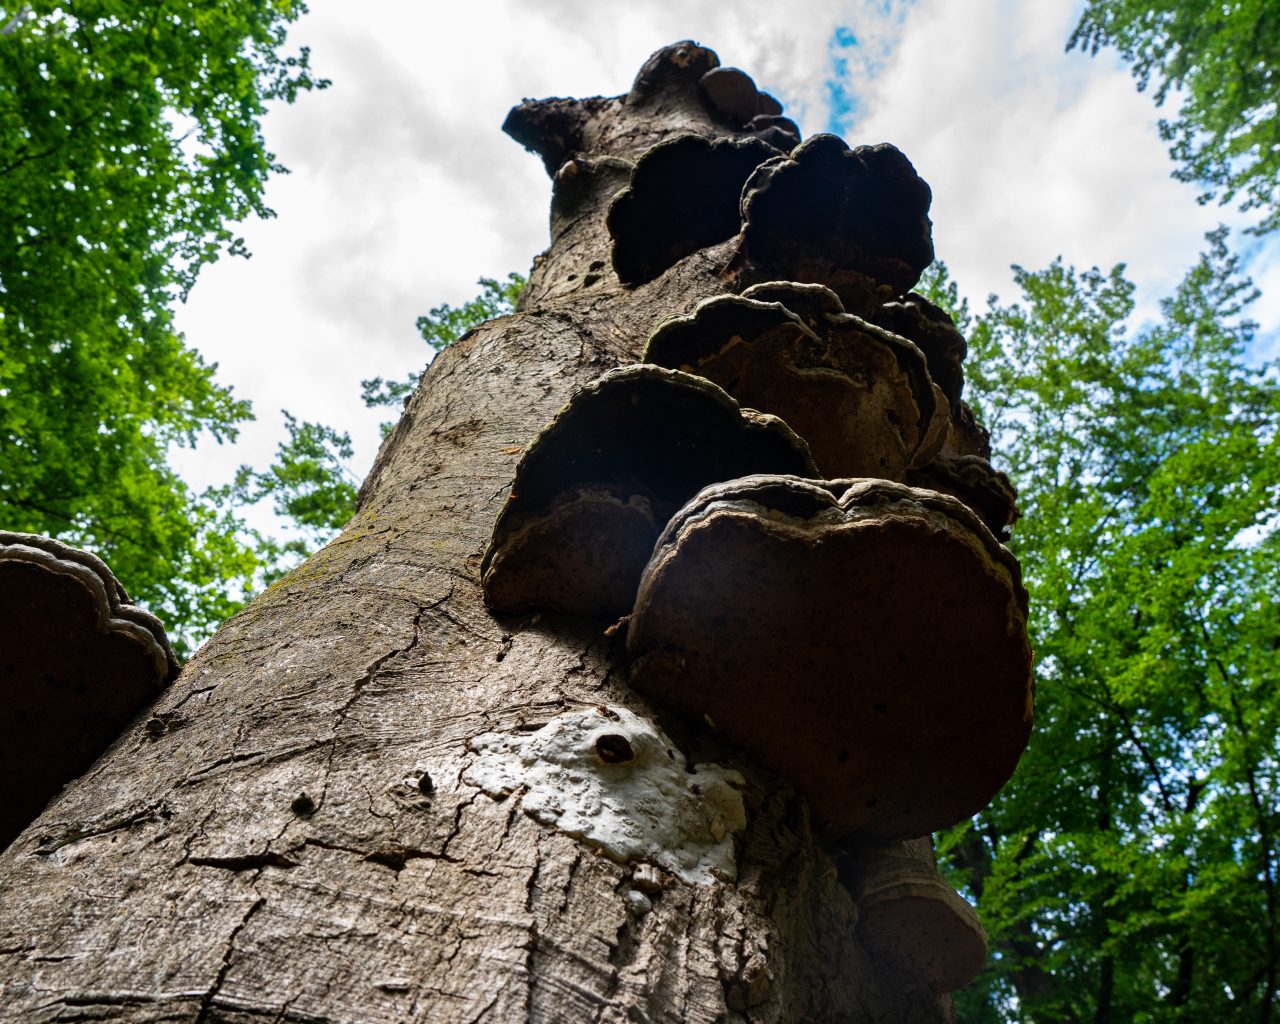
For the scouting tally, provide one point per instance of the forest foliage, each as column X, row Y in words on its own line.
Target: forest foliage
column 130, row 141
column 1222, row 63
column 130, row 144
column 1129, row 870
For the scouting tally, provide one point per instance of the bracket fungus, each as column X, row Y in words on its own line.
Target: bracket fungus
column 977, row 483
column 934, row 333
column 780, row 132
column 78, row 662
column 856, row 220
column 966, row 435
column 861, row 398
column 815, row 304
column 552, row 128
column 864, row 639
column 683, row 196
column 732, row 94
column 594, row 489
column 610, row 778
column 910, row 917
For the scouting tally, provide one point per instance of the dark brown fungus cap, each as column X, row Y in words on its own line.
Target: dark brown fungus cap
column 780, row 132
column 732, row 95
column 855, row 220
column 966, row 435
column 594, row 489
column 821, row 308
column 860, row 397
column 934, row 333
column 769, row 106
column 973, row 480
column 682, row 342
column 678, row 66
column 869, row 648
column 77, row 662
column 683, row 196
column 910, row 917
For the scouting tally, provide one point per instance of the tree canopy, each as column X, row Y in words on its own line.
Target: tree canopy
column 129, row 141
column 1129, row 870
column 1221, row 59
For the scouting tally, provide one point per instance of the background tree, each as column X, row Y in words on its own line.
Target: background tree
column 129, row 139
column 1128, row 872
column 1223, row 61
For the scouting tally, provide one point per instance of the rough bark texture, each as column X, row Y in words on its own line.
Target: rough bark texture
column 295, row 840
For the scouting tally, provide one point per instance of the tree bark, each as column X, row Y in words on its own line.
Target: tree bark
column 290, row 835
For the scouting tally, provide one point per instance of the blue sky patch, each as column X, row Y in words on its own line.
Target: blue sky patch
column 854, row 61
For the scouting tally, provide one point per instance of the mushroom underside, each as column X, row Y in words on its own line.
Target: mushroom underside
column 595, row 488
column 682, row 197
column 77, row 663
column 909, row 916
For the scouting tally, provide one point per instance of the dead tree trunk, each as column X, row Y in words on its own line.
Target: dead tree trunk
column 302, row 829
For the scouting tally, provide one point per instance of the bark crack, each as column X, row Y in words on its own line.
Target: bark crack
column 228, row 951
column 456, row 830
column 394, row 855
column 245, row 862
column 196, row 692
column 152, row 811
column 369, row 674
column 253, row 758
column 530, row 906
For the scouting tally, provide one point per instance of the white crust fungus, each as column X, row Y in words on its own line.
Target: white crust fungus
column 614, row 780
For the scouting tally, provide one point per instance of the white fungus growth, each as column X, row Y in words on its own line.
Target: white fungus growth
column 615, row 781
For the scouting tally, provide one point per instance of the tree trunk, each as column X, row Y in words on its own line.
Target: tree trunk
column 293, row 835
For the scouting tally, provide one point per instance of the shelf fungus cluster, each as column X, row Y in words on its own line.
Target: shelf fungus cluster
column 78, row 661
column 596, row 487
column 792, row 504
column 862, row 397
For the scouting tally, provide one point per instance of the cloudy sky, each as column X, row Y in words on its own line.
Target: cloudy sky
column 404, row 190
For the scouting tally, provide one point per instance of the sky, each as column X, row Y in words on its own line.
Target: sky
column 404, row 191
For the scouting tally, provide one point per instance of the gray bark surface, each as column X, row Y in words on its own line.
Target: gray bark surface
column 268, row 852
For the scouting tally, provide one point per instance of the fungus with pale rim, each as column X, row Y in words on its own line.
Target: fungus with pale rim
column 934, row 333
column 871, row 648
column 978, row 484
column 909, row 916
column 862, row 398
column 683, row 196
column 594, row 489
column 856, row 220
column 815, row 304
column 78, row 661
